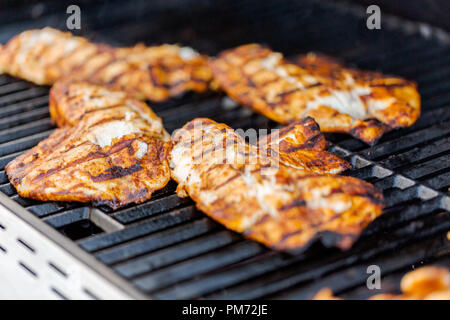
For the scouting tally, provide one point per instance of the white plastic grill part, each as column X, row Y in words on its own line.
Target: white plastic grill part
column 32, row 266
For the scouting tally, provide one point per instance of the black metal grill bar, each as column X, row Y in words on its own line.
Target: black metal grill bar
column 211, row 261
column 427, row 119
column 151, row 208
column 357, row 275
column 3, row 177
column 418, row 138
column 430, row 167
column 433, row 77
column 441, row 182
column 174, row 254
column 49, row 208
column 4, row 79
column 404, row 213
column 390, row 282
column 395, row 196
column 156, row 241
column 417, row 154
column 14, row 87
column 213, row 108
column 68, row 217
column 33, row 92
column 368, row 172
column 25, row 202
column 23, row 144
column 139, row 229
column 30, row 116
column 25, row 130
column 7, row 189
column 4, row 160
column 296, row 274
column 24, row 106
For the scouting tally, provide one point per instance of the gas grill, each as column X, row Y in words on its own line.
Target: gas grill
column 165, row 248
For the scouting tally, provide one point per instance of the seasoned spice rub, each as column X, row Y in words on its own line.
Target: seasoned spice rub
column 111, row 150
column 250, row 190
column 156, row 73
column 363, row 104
column 426, row 283
column 301, row 145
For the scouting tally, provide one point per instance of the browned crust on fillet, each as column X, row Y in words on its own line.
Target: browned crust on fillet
column 425, row 283
column 110, row 150
column 363, row 104
column 253, row 193
column 156, row 73
column 301, row 145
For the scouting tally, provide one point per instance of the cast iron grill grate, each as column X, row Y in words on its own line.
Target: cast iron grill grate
column 168, row 249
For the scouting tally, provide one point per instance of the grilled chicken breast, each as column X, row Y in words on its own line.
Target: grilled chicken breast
column 253, row 192
column 155, row 73
column 363, row 104
column 426, row 283
column 111, row 150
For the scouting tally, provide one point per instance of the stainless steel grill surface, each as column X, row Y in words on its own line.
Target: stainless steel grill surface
column 167, row 249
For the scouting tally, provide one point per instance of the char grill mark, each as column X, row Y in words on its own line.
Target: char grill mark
column 363, row 104
column 116, row 172
column 301, row 145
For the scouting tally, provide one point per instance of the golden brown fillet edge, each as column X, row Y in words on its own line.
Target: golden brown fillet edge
column 397, row 115
column 301, row 145
column 425, row 283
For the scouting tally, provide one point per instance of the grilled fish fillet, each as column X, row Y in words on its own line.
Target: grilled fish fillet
column 426, row 283
column 155, row 73
column 363, row 104
column 110, row 150
column 253, row 192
